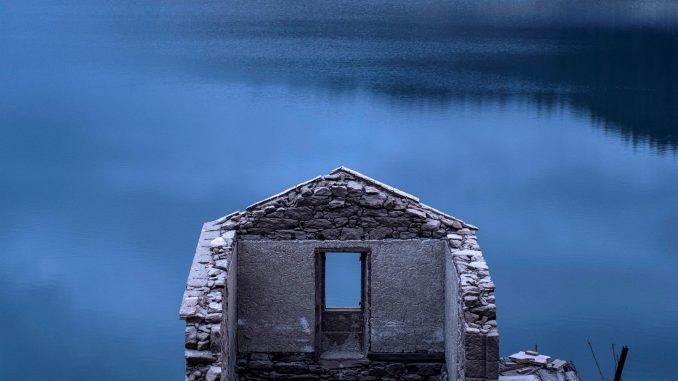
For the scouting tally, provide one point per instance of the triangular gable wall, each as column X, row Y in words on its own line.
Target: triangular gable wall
column 344, row 204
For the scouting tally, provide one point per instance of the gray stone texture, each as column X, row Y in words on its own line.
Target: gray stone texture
column 208, row 314
column 479, row 355
column 429, row 287
column 303, row 366
column 343, row 205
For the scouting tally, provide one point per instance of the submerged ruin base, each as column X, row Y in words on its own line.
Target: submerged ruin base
column 304, row 366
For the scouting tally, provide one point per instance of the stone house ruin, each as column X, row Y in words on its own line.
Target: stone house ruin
column 258, row 303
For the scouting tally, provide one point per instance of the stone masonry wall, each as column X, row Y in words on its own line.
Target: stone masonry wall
column 480, row 352
column 454, row 324
column 302, row 366
column 276, row 309
column 229, row 321
column 205, row 299
column 344, row 205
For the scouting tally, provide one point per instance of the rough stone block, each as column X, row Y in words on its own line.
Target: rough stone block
column 475, row 368
column 313, row 200
column 191, row 336
column 189, row 308
column 431, row 225
column 339, row 190
column 322, row 191
column 395, row 369
column 197, row 282
column 380, row 233
column 260, row 365
column 334, row 204
column 416, row 213
column 474, row 345
column 215, row 307
column 428, row 369
column 318, row 224
column 203, row 345
column 194, row 357
column 301, row 377
column 492, row 369
column 291, row 367
column 330, row 233
column 222, row 264
column 300, row 213
column 351, row 233
column 354, row 187
column 260, row 357
column 378, row 372
column 215, row 338
column 492, row 347
column 213, row 374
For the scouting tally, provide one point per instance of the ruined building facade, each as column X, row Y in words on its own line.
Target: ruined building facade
column 255, row 306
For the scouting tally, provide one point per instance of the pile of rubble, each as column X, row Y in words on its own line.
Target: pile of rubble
column 533, row 366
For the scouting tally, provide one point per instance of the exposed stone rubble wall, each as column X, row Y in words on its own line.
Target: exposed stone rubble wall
column 343, row 205
column 302, row 366
column 206, row 298
column 479, row 334
column 338, row 209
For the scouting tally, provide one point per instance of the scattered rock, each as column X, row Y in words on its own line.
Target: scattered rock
column 322, row 191
column 221, row 264
column 431, row 225
column 194, row 357
column 415, row 213
column 213, row 374
column 381, row 233
column 372, row 200
column 354, row 187
column 217, row 242
column 339, row 191
column 351, row 233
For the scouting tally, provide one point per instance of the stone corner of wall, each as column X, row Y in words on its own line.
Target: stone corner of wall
column 202, row 305
column 476, row 292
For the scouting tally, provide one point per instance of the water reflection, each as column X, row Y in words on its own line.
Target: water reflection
column 625, row 78
column 614, row 62
column 123, row 125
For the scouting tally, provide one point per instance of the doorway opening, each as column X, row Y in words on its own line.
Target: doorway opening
column 341, row 305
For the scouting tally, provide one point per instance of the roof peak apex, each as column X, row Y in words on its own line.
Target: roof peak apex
column 374, row 182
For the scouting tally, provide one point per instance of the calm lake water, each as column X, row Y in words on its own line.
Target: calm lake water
column 126, row 124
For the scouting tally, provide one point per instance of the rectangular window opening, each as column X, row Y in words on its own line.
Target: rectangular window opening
column 343, row 280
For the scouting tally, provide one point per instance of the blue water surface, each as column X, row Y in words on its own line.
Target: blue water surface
column 126, row 124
